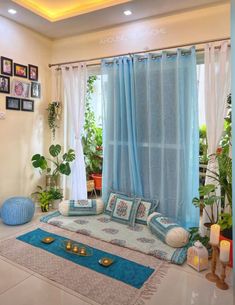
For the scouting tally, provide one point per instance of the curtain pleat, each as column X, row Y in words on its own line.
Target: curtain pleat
column 74, row 81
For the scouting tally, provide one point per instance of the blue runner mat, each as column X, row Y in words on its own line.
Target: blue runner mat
column 122, row 269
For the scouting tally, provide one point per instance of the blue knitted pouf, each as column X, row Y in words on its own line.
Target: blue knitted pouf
column 17, row 211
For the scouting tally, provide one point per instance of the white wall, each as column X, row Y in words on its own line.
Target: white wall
column 23, row 133
column 188, row 27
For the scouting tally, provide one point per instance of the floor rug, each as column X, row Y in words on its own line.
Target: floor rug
column 93, row 285
column 122, row 269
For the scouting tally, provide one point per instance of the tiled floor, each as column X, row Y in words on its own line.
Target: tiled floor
column 181, row 286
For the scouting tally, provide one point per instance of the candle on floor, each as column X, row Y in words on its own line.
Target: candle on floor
column 82, row 251
column 214, row 235
column 48, row 239
column 224, row 251
column 75, row 249
column 68, row 246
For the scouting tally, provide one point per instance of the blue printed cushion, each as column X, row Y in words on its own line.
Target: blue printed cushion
column 146, row 207
column 81, row 207
column 111, row 201
column 167, row 230
column 125, row 209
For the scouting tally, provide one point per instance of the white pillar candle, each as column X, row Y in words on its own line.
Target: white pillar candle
column 214, row 235
column 224, row 251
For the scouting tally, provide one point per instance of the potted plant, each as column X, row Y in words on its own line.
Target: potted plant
column 44, row 197
column 203, row 156
column 92, row 142
column 54, row 166
column 208, row 198
column 57, row 196
column 54, row 111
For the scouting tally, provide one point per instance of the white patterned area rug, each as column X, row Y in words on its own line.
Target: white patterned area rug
column 91, row 284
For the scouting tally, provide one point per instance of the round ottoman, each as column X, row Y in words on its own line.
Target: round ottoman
column 17, row 210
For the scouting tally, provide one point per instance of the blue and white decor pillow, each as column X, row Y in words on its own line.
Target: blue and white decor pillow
column 146, row 207
column 167, row 230
column 81, row 207
column 125, row 209
column 111, row 201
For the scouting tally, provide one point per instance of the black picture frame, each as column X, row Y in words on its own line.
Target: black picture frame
column 4, row 84
column 27, row 105
column 33, row 73
column 35, row 90
column 20, row 70
column 12, row 103
column 6, row 69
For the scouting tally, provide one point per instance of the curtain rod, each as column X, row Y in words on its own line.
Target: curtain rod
column 139, row 52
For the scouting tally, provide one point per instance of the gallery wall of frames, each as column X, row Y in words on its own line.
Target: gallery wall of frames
column 20, row 82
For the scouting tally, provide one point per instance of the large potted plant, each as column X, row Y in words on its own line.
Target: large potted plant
column 92, row 141
column 55, row 165
column 207, row 198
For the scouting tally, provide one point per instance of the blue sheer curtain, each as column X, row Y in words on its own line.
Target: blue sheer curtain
column 151, row 149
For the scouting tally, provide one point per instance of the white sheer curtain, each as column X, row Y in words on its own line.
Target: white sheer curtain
column 217, row 87
column 74, row 81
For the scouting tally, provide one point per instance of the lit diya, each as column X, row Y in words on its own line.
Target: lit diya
column 48, row 240
column 106, row 262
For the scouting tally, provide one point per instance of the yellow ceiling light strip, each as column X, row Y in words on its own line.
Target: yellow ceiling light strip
column 59, row 9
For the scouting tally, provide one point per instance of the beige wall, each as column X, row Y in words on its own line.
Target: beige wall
column 188, row 27
column 23, row 133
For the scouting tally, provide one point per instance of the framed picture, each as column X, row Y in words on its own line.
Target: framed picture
column 20, row 70
column 20, row 89
column 33, row 72
column 12, row 103
column 4, row 84
column 35, row 90
column 27, row 105
column 6, row 66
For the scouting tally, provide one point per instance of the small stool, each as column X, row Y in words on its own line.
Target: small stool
column 17, row 211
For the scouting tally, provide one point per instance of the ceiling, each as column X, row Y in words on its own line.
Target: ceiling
column 59, row 9
column 61, row 18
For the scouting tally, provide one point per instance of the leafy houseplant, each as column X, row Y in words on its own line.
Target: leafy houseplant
column 44, row 197
column 54, row 110
column 60, row 164
column 224, row 174
column 92, row 137
column 207, row 198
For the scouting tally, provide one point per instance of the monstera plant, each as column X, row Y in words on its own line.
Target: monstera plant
column 55, row 165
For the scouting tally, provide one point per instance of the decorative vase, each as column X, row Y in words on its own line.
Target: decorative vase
column 55, row 204
column 53, row 181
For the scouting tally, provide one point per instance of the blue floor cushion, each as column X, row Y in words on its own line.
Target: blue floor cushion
column 17, row 210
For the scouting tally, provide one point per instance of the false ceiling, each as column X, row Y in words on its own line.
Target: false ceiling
column 62, row 18
column 59, row 9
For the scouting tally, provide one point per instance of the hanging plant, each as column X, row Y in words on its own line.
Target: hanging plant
column 54, row 110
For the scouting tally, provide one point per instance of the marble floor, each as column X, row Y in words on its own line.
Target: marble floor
column 181, row 286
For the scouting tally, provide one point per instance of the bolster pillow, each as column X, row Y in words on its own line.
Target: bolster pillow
column 81, row 207
column 167, row 231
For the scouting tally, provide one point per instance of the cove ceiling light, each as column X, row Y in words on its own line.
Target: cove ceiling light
column 12, row 11
column 62, row 9
column 127, row 12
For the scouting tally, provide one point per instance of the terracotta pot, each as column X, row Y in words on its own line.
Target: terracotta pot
column 98, row 181
column 222, row 237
